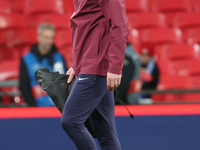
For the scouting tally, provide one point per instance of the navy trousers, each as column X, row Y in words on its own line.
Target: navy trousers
column 91, row 99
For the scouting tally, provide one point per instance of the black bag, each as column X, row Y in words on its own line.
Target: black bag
column 57, row 88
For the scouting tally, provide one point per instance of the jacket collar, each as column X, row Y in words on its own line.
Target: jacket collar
column 35, row 51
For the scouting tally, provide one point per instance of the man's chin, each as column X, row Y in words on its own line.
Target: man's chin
column 47, row 51
column 47, row 48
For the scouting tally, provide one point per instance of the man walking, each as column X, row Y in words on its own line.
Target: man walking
column 99, row 36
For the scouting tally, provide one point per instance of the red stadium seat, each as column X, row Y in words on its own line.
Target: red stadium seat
column 166, row 67
column 32, row 7
column 146, row 20
column 183, row 98
column 11, row 6
column 175, row 82
column 2, row 39
column 18, row 5
column 196, row 81
column 9, row 54
column 188, row 67
column 59, row 21
column 196, row 5
column 137, row 6
column 25, row 50
column 152, row 37
column 68, row 5
column 170, row 5
column 170, row 18
column 170, row 8
column 190, row 97
column 134, row 39
column 5, row 7
column 11, row 100
column 9, row 69
column 176, row 98
column 158, row 98
column 167, row 98
column 63, row 38
column 192, row 35
column 187, row 20
column 21, row 37
column 11, row 21
column 67, row 54
column 177, row 51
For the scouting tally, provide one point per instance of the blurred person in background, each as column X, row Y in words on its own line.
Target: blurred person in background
column 43, row 54
column 149, row 74
column 130, row 85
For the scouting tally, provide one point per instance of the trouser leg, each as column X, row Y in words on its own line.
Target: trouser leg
column 86, row 94
column 103, row 123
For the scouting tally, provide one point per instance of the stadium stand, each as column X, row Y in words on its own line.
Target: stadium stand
column 17, row 5
column 134, row 39
column 5, row 7
column 68, row 6
column 137, row 6
column 176, row 82
column 2, row 39
column 9, row 54
column 178, row 61
column 32, row 7
column 188, row 67
column 12, row 21
column 166, row 67
column 59, row 21
column 192, row 35
column 170, row 5
column 187, row 20
column 63, row 42
column 177, row 52
column 63, row 38
column 171, row 29
column 196, row 5
column 11, row 6
column 146, row 20
column 67, row 54
column 9, row 70
column 196, row 81
column 150, row 38
column 16, row 38
column 170, row 8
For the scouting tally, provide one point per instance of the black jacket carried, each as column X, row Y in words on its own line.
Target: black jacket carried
column 57, row 88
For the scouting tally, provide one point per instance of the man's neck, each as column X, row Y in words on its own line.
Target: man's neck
column 41, row 50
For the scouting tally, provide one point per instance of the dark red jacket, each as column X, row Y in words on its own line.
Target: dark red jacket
column 99, row 36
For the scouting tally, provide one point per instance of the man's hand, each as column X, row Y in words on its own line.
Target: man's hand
column 113, row 81
column 71, row 74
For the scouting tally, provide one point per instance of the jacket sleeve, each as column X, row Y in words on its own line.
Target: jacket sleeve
column 24, row 85
column 115, row 13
